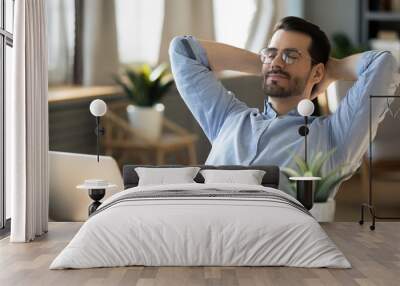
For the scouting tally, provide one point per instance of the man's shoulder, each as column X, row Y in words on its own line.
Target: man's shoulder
column 178, row 44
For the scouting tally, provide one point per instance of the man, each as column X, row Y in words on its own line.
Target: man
column 295, row 65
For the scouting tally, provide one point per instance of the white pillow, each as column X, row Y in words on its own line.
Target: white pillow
column 248, row 177
column 163, row 176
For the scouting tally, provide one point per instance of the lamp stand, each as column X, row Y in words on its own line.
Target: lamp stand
column 303, row 131
column 98, row 131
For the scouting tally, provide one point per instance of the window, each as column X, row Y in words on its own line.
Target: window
column 139, row 28
column 61, row 40
column 232, row 21
column 6, row 43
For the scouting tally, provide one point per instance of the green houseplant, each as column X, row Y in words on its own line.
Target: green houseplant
column 145, row 87
column 343, row 47
column 328, row 182
column 324, row 207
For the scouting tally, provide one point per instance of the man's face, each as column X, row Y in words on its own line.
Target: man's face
column 282, row 80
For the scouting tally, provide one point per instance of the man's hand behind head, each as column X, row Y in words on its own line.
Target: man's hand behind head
column 328, row 78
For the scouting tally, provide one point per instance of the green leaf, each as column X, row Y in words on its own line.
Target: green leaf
column 301, row 164
column 293, row 189
column 126, row 88
column 308, row 174
column 317, row 165
column 324, row 190
column 142, row 88
column 336, row 171
column 328, row 183
column 290, row 172
column 164, row 88
column 315, row 159
column 158, row 72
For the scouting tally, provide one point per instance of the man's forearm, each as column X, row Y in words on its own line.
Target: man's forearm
column 226, row 57
column 344, row 69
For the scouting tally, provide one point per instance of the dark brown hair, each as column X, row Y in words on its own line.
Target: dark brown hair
column 320, row 47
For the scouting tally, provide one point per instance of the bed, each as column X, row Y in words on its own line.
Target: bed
column 201, row 224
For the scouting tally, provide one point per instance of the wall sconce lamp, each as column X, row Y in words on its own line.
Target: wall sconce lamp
column 98, row 108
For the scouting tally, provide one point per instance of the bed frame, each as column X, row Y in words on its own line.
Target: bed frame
column 270, row 179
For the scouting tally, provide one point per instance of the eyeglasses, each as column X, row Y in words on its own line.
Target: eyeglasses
column 289, row 56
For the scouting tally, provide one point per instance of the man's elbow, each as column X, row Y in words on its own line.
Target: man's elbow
column 176, row 46
column 388, row 62
column 386, row 71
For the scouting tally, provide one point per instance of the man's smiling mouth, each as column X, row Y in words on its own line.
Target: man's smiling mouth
column 277, row 74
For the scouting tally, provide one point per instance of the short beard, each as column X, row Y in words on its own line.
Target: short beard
column 275, row 91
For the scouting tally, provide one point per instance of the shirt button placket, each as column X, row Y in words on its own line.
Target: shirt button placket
column 261, row 131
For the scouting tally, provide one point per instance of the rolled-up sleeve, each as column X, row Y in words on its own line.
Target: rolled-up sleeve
column 350, row 123
column 210, row 103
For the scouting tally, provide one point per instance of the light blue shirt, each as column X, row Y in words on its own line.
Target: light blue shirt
column 241, row 135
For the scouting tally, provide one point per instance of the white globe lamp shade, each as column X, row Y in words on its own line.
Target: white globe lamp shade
column 305, row 107
column 98, row 107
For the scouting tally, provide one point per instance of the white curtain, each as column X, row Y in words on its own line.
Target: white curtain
column 267, row 14
column 262, row 24
column 232, row 26
column 99, row 50
column 139, row 26
column 27, row 145
column 183, row 17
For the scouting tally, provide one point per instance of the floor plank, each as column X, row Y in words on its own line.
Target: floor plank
column 375, row 257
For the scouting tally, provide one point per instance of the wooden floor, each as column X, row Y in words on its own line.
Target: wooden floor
column 375, row 257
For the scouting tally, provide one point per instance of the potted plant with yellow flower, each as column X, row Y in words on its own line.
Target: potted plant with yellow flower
column 145, row 87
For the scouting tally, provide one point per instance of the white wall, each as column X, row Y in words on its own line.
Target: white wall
column 291, row 8
column 334, row 16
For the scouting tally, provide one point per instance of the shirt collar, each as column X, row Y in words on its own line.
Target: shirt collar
column 294, row 112
column 271, row 113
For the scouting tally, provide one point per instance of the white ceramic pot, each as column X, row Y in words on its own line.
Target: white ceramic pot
column 324, row 212
column 147, row 121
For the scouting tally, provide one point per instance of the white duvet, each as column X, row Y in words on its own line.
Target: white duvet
column 200, row 231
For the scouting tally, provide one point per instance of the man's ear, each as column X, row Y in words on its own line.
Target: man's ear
column 318, row 73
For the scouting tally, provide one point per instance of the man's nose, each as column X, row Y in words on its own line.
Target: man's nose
column 277, row 62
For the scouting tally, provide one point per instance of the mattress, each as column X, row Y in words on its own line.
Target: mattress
column 201, row 225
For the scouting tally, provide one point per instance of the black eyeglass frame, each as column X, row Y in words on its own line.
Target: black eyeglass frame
column 284, row 55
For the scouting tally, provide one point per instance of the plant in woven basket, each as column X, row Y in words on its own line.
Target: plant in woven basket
column 313, row 168
column 144, row 85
